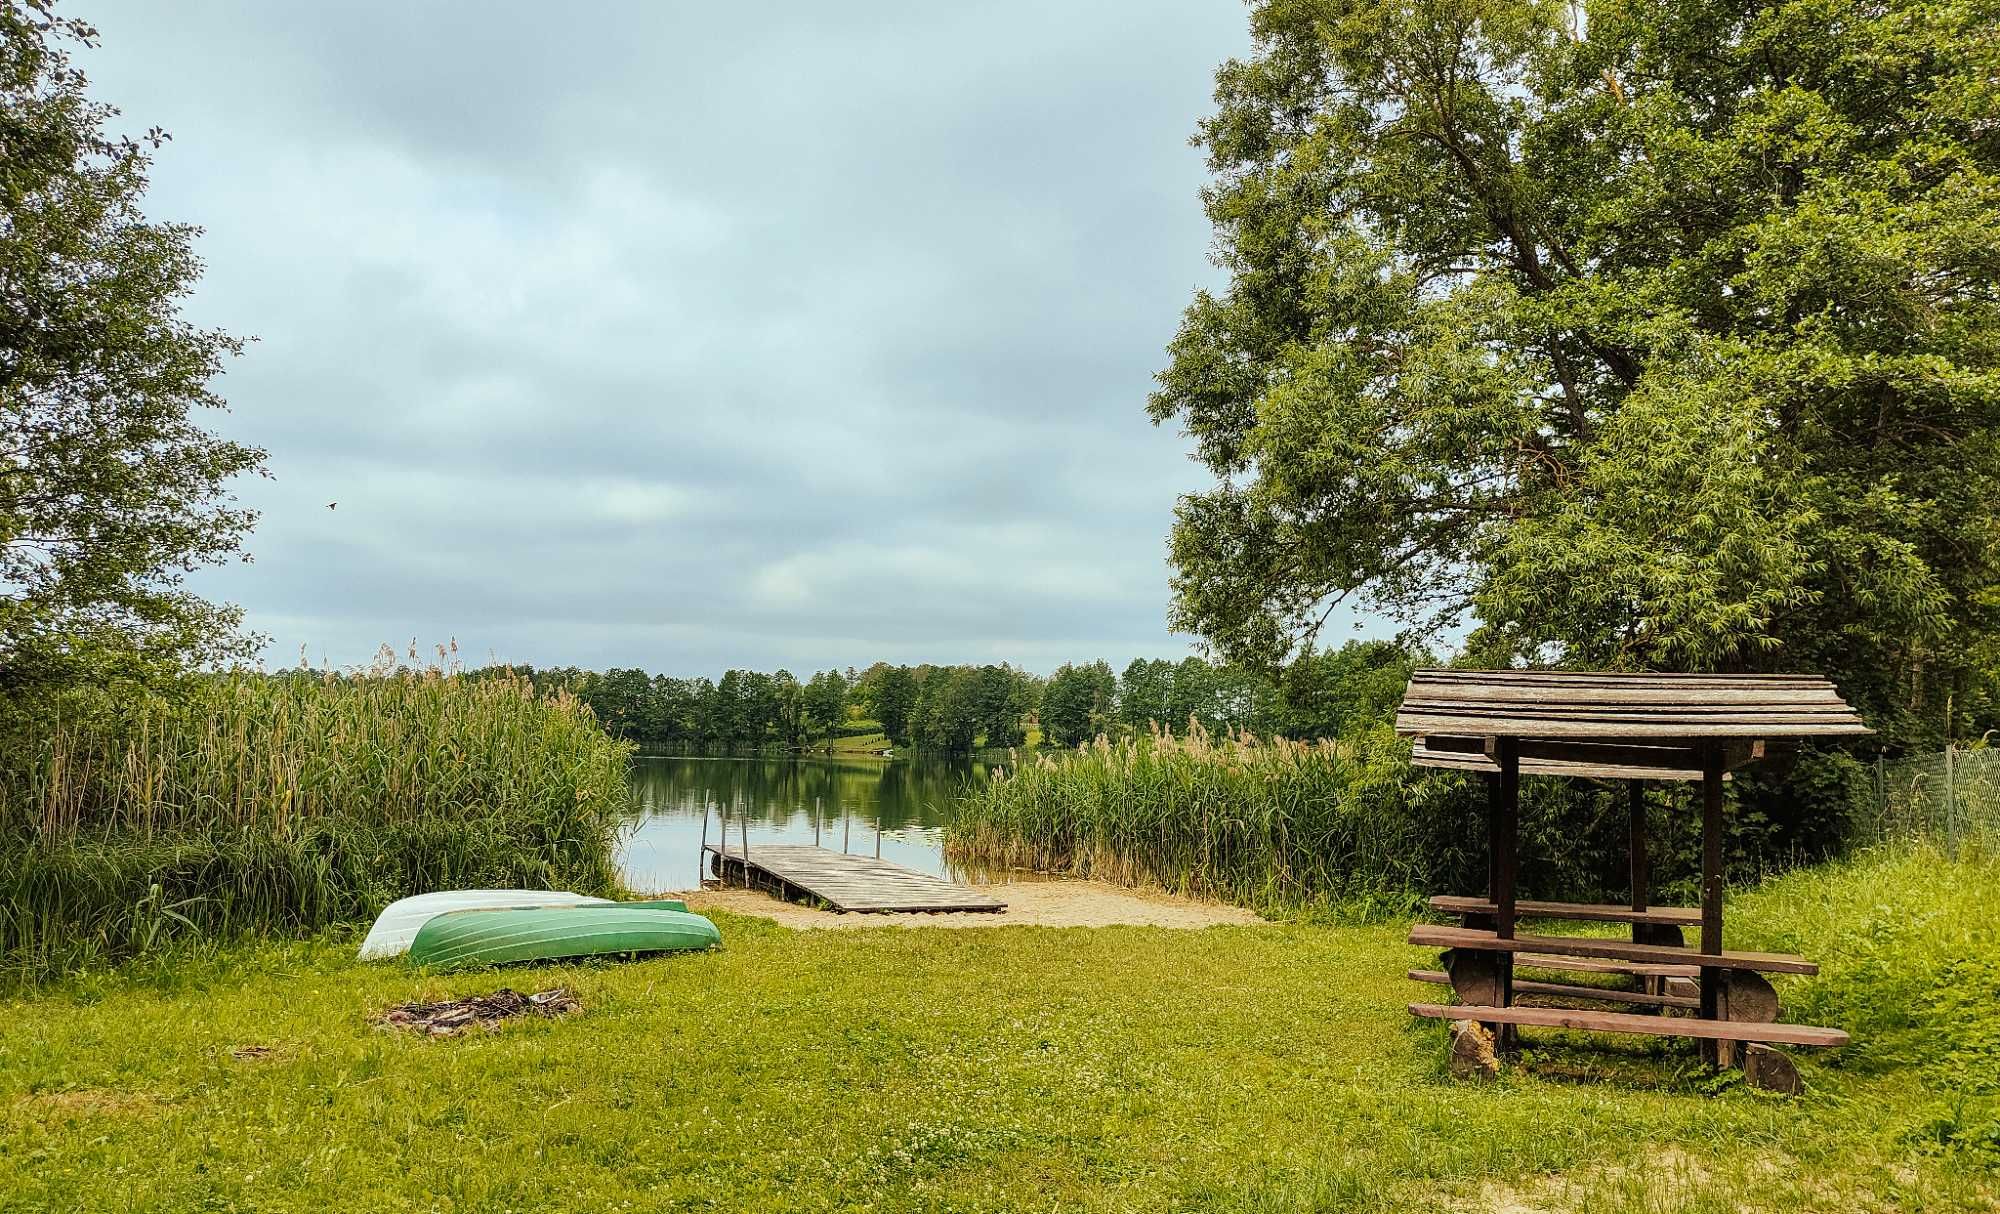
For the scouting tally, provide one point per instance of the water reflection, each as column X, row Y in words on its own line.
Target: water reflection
column 855, row 803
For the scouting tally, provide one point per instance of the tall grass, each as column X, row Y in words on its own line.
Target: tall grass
column 1350, row 825
column 290, row 803
column 1273, row 824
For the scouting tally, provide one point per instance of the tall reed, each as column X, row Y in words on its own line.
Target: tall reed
column 1273, row 824
column 292, row 802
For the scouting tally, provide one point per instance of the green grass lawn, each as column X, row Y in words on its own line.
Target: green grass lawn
column 1249, row 1069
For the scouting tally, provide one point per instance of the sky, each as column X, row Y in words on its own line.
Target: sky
column 688, row 337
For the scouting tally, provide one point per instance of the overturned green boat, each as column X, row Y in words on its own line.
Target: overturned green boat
column 550, row 933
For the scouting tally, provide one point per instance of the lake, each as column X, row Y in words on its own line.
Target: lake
column 857, row 798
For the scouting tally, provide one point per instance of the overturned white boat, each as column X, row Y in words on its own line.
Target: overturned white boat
column 400, row 921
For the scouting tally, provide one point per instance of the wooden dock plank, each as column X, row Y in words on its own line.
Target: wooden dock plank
column 855, row 883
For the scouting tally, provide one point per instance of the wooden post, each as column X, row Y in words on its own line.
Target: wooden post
column 1711, row 890
column 846, row 826
column 745, row 818
column 1510, row 810
column 1641, row 876
column 815, row 821
column 1493, row 837
column 1509, row 755
column 701, row 857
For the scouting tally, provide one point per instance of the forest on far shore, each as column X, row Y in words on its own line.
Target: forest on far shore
column 967, row 707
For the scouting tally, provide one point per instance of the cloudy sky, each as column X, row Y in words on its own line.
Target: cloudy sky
column 688, row 336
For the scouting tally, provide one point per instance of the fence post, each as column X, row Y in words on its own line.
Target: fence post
column 1950, row 798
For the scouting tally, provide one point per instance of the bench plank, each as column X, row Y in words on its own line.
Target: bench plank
column 1598, row 965
column 1631, row 1022
column 1617, row 950
column 1565, row 990
column 1665, row 916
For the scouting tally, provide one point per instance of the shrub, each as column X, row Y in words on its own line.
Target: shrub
column 290, row 803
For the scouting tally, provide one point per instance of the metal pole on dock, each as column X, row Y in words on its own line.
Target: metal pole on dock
column 746, row 849
column 815, row 821
column 701, row 857
column 845, row 827
column 878, row 838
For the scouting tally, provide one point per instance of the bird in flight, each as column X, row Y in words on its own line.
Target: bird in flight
column 331, row 505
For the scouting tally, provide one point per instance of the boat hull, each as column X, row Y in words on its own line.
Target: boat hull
column 400, row 921
column 502, row 936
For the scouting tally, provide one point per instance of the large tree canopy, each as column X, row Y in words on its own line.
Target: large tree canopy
column 1654, row 333
column 110, row 490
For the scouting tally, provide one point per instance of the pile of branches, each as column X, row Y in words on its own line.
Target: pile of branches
column 454, row 1016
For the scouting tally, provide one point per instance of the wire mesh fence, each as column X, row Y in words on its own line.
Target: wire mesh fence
column 1951, row 798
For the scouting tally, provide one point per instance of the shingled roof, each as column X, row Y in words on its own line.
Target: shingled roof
column 1629, row 726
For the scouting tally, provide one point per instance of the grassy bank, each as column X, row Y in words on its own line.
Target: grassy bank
column 1233, row 1069
column 291, row 803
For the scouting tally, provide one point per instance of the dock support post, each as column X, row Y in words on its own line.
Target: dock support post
column 815, row 821
column 745, row 817
column 701, row 857
column 878, row 836
column 845, row 828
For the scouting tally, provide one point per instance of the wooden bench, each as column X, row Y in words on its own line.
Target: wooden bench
column 1598, row 965
column 1658, row 916
column 1629, row 1022
column 1615, row 950
column 1565, row 990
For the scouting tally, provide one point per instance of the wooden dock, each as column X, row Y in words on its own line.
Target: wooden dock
column 842, row 881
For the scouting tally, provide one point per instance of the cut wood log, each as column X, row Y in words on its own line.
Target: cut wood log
column 1475, row 977
column 1770, row 1070
column 1748, row 997
column 1473, row 1055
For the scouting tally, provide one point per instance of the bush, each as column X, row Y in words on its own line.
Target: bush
column 291, row 803
column 1908, row 943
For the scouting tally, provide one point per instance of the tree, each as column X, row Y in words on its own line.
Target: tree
column 890, row 694
column 825, row 703
column 947, row 714
column 1337, row 692
column 1078, row 703
column 1004, row 698
column 110, row 492
column 1143, row 692
column 1655, row 335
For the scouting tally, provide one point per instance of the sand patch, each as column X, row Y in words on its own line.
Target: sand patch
column 1029, row 904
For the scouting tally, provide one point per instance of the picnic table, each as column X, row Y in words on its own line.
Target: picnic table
column 1635, row 728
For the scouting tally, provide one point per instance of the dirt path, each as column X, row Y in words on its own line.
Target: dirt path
column 1029, row 903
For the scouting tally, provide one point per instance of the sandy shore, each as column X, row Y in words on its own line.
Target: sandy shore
column 1029, row 903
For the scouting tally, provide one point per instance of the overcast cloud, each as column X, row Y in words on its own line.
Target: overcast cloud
column 690, row 336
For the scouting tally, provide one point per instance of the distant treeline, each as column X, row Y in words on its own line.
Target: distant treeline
column 959, row 708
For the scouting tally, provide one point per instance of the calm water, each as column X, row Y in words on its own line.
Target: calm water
column 902, row 800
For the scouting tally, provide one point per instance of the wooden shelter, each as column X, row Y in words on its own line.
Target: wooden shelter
column 1635, row 728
